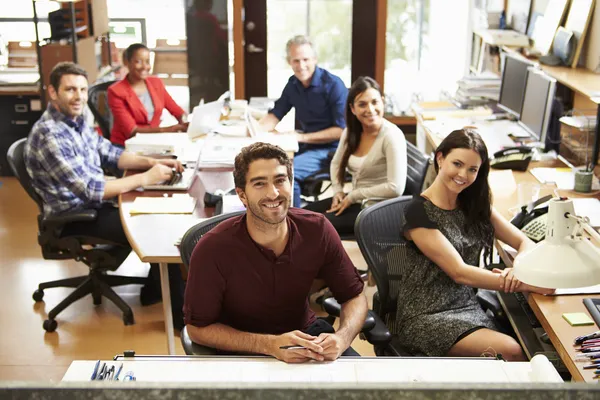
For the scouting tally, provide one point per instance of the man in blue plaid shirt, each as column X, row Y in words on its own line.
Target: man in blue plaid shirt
column 65, row 156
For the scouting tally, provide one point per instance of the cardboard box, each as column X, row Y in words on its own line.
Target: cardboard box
column 54, row 53
column 170, row 62
column 22, row 55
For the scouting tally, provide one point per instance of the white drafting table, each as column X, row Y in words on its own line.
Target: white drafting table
column 348, row 370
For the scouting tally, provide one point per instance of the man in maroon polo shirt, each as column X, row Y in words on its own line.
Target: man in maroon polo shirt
column 249, row 279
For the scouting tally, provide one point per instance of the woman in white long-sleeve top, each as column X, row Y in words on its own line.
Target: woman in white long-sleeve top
column 372, row 150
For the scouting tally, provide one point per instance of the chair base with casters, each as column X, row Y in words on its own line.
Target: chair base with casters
column 98, row 283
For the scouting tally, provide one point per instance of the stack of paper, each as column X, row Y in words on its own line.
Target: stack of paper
column 177, row 204
column 157, row 143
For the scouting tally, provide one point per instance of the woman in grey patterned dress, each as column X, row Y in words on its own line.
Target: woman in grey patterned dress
column 448, row 226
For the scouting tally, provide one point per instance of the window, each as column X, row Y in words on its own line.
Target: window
column 329, row 25
column 426, row 49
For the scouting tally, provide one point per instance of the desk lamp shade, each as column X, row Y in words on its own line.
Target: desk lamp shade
column 565, row 259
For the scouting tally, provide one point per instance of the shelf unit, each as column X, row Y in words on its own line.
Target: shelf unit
column 82, row 50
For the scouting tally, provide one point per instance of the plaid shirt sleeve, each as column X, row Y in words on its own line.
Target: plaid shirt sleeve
column 59, row 159
column 109, row 153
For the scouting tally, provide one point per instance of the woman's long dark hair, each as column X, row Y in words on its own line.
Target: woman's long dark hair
column 353, row 126
column 476, row 200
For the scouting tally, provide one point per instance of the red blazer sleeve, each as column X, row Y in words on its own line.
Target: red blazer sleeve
column 123, row 121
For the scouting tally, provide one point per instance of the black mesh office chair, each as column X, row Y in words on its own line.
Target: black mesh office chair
column 188, row 243
column 98, row 254
column 379, row 235
column 98, row 103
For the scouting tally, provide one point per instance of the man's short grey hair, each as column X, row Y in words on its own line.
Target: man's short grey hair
column 299, row 40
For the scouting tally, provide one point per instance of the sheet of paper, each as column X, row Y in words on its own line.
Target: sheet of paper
column 564, row 178
column 588, row 207
column 502, row 182
column 177, row 204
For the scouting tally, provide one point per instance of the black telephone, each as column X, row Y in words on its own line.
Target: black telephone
column 517, row 158
column 532, row 220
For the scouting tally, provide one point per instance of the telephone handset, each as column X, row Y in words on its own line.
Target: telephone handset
column 531, row 220
column 517, row 158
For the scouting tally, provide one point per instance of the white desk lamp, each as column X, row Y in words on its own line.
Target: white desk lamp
column 565, row 258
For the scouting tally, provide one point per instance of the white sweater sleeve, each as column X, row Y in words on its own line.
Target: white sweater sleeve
column 336, row 185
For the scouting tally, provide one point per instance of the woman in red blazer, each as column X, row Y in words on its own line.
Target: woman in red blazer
column 137, row 102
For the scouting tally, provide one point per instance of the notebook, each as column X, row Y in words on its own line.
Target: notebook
column 184, row 183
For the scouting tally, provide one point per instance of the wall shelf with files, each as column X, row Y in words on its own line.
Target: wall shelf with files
column 79, row 33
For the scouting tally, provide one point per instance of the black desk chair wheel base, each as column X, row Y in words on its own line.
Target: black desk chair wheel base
column 98, row 254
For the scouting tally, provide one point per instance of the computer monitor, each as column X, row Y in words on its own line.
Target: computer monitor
column 512, row 88
column 537, row 103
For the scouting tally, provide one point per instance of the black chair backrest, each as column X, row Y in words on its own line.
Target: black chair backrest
column 98, row 103
column 195, row 233
column 378, row 231
column 16, row 160
column 418, row 163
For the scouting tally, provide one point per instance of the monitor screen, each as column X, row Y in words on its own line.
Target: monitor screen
column 537, row 103
column 512, row 88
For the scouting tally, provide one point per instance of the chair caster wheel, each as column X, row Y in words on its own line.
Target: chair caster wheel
column 50, row 325
column 128, row 319
column 97, row 299
column 38, row 295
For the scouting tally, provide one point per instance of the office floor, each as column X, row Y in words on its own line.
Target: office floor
column 27, row 352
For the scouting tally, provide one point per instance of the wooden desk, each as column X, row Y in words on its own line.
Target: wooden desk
column 548, row 309
column 153, row 236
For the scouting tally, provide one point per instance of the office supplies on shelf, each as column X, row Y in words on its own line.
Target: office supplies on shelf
column 583, row 338
column 362, row 370
column 95, row 373
column 565, row 258
column 578, row 20
column 177, row 204
column 593, row 306
column 118, row 372
column 577, row 319
column 547, row 24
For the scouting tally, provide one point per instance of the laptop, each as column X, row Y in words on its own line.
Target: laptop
column 288, row 142
column 205, row 117
column 180, row 182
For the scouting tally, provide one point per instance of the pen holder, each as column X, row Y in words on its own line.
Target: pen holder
column 583, row 181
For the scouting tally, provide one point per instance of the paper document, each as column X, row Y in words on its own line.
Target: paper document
column 177, row 204
column 157, row 143
column 582, row 290
column 564, row 178
column 588, row 207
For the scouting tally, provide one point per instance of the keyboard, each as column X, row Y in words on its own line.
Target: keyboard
column 536, row 229
column 527, row 310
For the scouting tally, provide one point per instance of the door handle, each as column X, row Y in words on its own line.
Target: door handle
column 253, row 49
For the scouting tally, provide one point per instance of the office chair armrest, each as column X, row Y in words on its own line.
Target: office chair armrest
column 333, row 308
column 379, row 335
column 73, row 216
column 489, row 301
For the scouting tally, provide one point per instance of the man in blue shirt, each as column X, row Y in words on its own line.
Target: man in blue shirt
column 319, row 98
column 64, row 157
